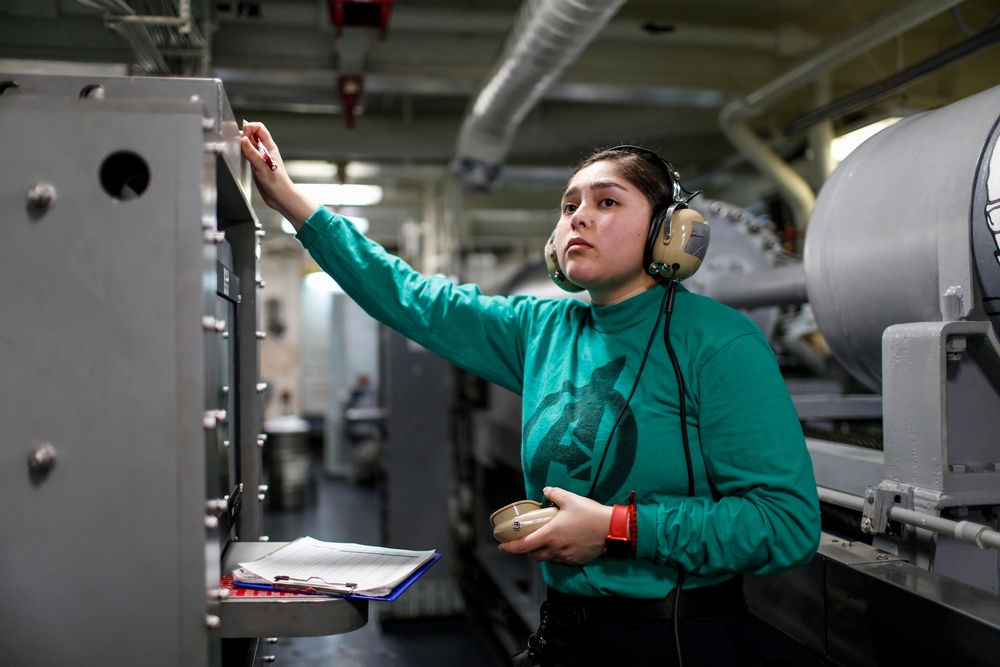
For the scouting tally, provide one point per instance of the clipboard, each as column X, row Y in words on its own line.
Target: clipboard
column 306, row 589
column 339, row 569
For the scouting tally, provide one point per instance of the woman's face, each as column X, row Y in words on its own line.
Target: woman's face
column 601, row 234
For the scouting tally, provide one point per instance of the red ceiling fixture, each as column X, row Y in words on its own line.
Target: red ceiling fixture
column 361, row 13
column 349, row 86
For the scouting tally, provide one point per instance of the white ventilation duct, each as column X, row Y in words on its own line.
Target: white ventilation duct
column 547, row 36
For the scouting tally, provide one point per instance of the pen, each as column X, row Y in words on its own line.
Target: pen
column 336, row 586
column 267, row 156
column 263, row 153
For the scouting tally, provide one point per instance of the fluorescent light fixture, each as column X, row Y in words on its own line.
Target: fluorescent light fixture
column 311, row 170
column 321, row 171
column 319, row 281
column 361, row 222
column 843, row 145
column 343, row 194
column 363, row 170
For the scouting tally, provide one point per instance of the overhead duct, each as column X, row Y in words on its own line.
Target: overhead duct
column 547, row 36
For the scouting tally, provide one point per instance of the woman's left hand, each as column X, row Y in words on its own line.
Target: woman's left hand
column 574, row 536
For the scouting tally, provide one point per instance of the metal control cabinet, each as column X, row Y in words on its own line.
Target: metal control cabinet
column 129, row 379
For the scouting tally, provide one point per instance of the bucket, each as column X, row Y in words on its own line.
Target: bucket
column 287, row 457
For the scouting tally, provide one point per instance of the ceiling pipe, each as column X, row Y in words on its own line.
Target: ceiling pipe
column 983, row 39
column 546, row 37
column 786, row 40
column 148, row 33
column 893, row 21
column 777, row 286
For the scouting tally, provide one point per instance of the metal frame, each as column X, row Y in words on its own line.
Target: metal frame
column 129, row 269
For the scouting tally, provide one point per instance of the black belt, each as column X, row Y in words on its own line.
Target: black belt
column 718, row 600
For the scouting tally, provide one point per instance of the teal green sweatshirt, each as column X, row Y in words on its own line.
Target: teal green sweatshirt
column 755, row 507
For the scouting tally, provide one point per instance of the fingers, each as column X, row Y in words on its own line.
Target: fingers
column 536, row 552
column 255, row 134
column 255, row 139
column 258, row 130
column 526, row 544
column 544, row 555
column 541, row 551
column 574, row 536
column 259, row 136
column 249, row 132
column 249, row 129
column 250, row 152
column 555, row 494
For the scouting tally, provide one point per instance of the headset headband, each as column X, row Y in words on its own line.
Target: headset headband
column 677, row 190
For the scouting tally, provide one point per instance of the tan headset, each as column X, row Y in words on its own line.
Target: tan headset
column 674, row 250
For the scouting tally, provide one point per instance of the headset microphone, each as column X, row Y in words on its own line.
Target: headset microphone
column 555, row 270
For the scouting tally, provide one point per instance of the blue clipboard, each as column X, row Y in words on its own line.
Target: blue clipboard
column 395, row 593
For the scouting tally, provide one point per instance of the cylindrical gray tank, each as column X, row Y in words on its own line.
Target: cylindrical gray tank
column 891, row 237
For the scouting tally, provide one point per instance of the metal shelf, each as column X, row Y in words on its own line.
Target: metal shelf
column 283, row 614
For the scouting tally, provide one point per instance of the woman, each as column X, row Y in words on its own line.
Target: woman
column 675, row 465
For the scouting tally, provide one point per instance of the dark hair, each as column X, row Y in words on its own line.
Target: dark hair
column 643, row 168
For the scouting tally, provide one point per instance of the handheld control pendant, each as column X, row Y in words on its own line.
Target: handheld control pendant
column 514, row 521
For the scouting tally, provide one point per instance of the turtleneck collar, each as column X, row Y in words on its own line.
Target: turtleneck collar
column 630, row 311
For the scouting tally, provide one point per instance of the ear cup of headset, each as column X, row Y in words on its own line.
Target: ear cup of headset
column 678, row 239
column 555, row 271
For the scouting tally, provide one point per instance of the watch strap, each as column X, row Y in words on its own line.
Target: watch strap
column 621, row 538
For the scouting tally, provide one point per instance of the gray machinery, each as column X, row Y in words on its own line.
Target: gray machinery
column 901, row 277
column 130, row 471
column 416, row 391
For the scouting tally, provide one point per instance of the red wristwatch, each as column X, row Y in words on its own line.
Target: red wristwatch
column 620, row 540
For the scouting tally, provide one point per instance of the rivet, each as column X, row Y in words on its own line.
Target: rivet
column 42, row 460
column 41, row 196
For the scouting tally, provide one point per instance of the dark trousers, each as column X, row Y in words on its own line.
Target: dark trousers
column 707, row 641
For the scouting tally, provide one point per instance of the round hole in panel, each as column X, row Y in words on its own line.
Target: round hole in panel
column 124, row 175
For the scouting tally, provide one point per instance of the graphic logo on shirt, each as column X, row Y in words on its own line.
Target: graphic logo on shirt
column 578, row 421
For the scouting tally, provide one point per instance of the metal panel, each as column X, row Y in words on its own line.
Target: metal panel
column 896, row 613
column 102, row 360
column 416, row 384
column 129, row 373
column 856, row 606
column 940, row 413
column 846, row 468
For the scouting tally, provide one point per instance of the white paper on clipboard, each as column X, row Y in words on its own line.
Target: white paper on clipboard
column 335, row 567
